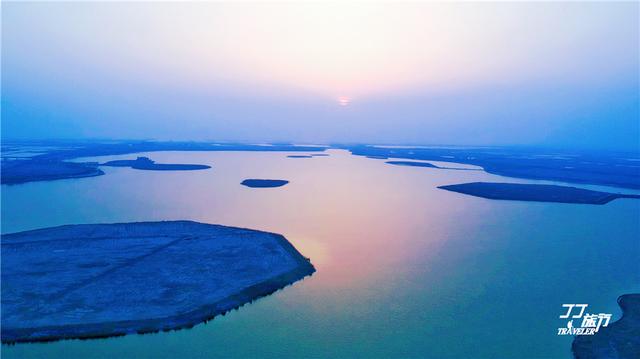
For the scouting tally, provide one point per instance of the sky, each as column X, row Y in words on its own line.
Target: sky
column 563, row 75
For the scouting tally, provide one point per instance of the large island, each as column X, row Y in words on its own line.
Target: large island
column 535, row 192
column 100, row 280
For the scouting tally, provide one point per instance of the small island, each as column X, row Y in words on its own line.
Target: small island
column 535, row 193
column 102, row 280
column 620, row 339
column 263, row 183
column 412, row 164
column 145, row 163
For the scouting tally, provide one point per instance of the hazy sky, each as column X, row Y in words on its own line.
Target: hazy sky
column 552, row 74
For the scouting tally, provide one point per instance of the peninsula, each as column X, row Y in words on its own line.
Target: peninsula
column 21, row 171
column 101, row 280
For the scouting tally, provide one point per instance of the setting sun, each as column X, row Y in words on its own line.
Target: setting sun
column 344, row 100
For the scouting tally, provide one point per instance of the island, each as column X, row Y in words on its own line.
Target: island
column 101, row 280
column 263, row 183
column 145, row 163
column 535, row 192
column 412, row 164
column 428, row 165
column 620, row 339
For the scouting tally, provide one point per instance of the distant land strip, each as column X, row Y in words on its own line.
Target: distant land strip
column 617, row 169
column 585, row 167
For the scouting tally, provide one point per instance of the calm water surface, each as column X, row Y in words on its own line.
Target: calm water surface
column 404, row 269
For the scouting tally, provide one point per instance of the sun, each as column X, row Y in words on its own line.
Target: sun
column 344, row 100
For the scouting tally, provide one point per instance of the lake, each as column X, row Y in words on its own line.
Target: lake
column 403, row 269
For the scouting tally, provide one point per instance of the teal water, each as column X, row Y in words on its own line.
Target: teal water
column 403, row 269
